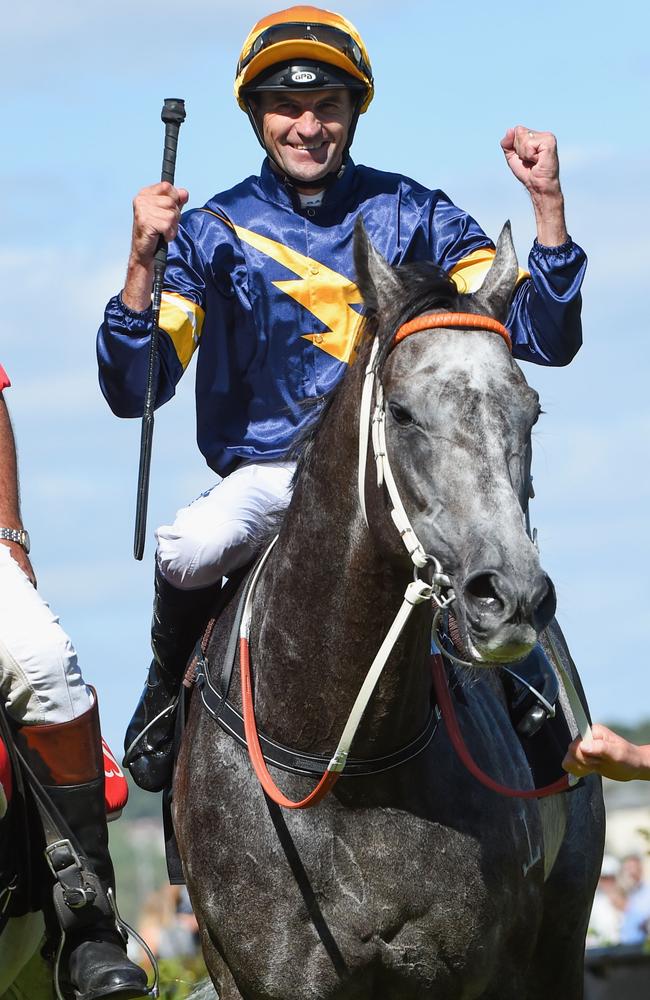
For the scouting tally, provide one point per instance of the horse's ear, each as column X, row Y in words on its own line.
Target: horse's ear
column 376, row 279
column 496, row 291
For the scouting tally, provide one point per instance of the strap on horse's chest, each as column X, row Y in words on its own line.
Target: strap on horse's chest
column 215, row 701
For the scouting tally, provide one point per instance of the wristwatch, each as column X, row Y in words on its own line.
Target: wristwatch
column 16, row 535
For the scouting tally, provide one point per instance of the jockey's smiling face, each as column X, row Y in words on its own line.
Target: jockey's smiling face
column 306, row 133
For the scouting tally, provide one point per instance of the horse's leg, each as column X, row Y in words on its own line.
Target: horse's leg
column 220, row 974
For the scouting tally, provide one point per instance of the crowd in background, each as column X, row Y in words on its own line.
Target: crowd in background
column 168, row 924
column 621, row 910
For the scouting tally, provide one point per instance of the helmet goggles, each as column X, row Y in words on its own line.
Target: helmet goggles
column 295, row 31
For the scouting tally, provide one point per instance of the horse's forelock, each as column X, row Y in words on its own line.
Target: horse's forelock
column 427, row 287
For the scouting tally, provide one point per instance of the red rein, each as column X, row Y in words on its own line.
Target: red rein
column 329, row 778
column 327, row 781
column 453, row 729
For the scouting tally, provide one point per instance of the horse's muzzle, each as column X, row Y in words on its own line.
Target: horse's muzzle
column 504, row 619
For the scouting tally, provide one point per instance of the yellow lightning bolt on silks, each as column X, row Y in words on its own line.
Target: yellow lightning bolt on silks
column 326, row 294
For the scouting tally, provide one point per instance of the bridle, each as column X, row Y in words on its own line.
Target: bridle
column 373, row 386
column 441, row 591
column 418, row 591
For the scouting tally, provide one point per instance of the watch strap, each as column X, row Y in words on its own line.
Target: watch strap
column 18, row 535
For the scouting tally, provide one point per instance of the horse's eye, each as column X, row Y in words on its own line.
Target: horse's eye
column 400, row 415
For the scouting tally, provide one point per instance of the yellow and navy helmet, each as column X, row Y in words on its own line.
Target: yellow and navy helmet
column 304, row 49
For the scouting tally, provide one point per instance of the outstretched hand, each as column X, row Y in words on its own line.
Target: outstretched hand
column 607, row 754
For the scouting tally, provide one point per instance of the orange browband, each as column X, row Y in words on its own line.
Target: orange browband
column 448, row 319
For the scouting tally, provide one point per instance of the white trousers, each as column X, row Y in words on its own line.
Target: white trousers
column 40, row 680
column 219, row 531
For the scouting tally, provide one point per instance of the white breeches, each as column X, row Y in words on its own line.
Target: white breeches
column 40, row 680
column 219, row 531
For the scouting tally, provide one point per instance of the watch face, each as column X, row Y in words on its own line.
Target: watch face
column 24, row 541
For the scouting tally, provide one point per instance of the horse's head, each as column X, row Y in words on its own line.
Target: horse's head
column 458, row 421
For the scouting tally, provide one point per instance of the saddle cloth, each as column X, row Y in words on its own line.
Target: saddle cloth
column 116, row 790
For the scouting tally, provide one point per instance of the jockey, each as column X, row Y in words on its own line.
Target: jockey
column 261, row 281
column 57, row 732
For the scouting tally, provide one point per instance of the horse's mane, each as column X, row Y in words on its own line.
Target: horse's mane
column 426, row 287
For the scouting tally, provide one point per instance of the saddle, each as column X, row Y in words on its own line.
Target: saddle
column 6, row 783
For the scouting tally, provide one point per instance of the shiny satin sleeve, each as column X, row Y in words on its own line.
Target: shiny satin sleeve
column 123, row 359
column 124, row 337
column 544, row 318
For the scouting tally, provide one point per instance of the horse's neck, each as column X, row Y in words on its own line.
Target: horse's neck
column 323, row 607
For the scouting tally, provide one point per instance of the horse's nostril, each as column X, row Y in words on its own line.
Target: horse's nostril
column 545, row 608
column 480, row 589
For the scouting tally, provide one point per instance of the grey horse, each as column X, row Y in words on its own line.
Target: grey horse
column 416, row 883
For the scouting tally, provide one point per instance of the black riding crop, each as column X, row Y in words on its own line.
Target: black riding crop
column 173, row 115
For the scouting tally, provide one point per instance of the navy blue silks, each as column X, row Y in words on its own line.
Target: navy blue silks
column 267, row 290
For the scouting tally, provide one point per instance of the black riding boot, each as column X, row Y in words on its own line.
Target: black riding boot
column 178, row 618
column 67, row 759
column 532, row 688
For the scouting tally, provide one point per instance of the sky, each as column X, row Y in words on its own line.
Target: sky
column 84, row 85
